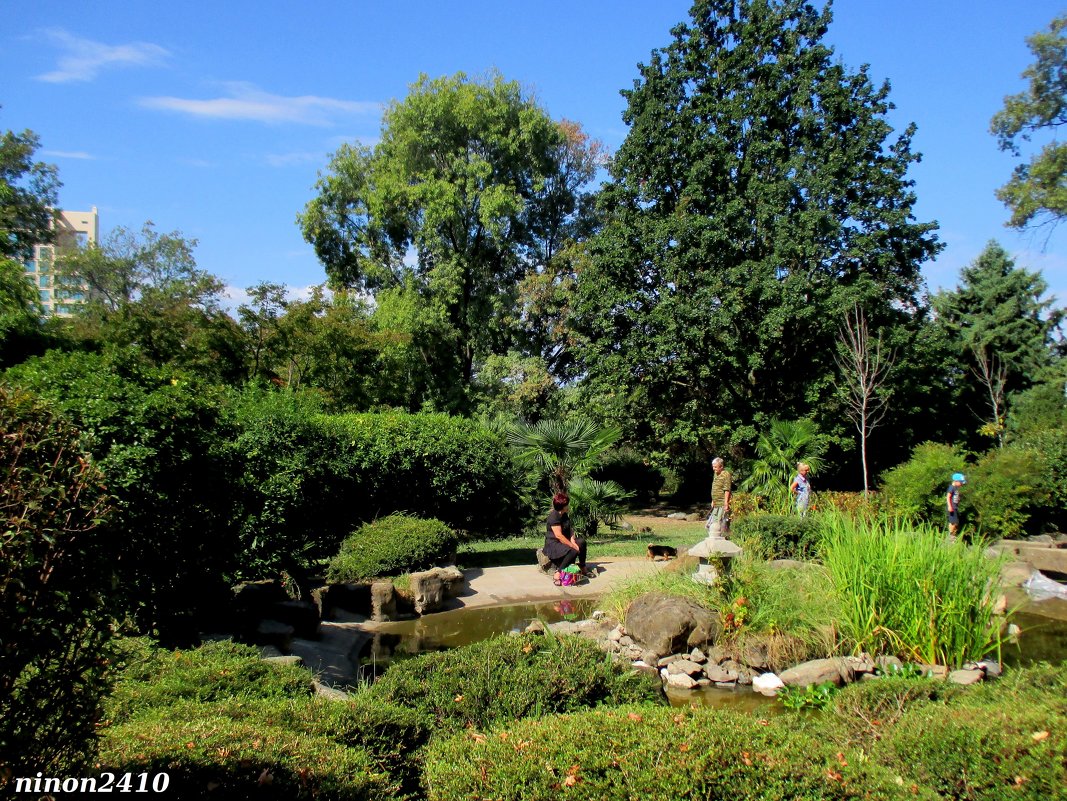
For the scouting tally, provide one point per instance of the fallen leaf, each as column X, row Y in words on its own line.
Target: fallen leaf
column 841, row 759
column 570, row 781
column 527, row 648
column 190, row 745
column 478, row 737
column 1038, row 736
column 458, row 698
column 679, row 718
column 634, row 716
column 1020, row 781
column 763, row 722
column 833, row 775
column 746, row 758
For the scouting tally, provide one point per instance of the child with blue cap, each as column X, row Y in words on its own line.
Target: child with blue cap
column 953, row 501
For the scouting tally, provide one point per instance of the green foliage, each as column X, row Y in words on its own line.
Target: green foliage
column 210, row 755
column 255, row 716
column 998, row 742
column 484, row 187
column 632, row 471
column 309, row 479
column 29, row 190
column 56, row 590
column 156, row 437
column 916, row 489
column 780, row 447
column 1006, row 487
column 154, row 678
column 146, row 291
column 778, row 536
column 759, row 193
column 652, row 753
column 561, row 448
column 594, row 502
column 906, row 590
column 506, row 678
column 1037, row 187
column 21, row 332
column 1002, row 327
column 814, row 696
column 392, row 545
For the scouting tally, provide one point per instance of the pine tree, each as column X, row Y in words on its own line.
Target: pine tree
column 758, row 195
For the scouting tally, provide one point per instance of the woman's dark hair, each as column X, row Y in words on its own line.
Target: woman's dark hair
column 559, row 500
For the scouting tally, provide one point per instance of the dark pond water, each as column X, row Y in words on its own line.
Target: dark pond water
column 1043, row 637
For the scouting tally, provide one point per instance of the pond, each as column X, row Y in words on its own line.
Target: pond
column 1043, row 637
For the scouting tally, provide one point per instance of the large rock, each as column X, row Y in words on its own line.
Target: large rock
column 966, row 677
column 431, row 588
column 817, row 671
column 383, row 600
column 544, row 562
column 684, row 666
column 666, row 624
column 351, row 597
column 767, row 684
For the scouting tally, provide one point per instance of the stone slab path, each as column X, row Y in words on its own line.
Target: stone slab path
column 516, row 584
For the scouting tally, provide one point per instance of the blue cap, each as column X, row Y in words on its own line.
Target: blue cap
column 959, row 477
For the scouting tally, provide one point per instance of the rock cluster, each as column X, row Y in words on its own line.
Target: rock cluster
column 693, row 667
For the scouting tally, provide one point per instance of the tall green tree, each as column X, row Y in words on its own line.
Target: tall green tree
column 28, row 193
column 20, row 314
column 1038, row 187
column 145, row 290
column 471, row 186
column 759, row 194
column 1004, row 329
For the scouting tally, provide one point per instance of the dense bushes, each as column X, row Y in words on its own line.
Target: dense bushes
column 507, row 678
column 308, row 479
column 56, row 592
column 1006, row 487
column 390, row 546
column 155, row 436
column 627, row 468
column 778, row 536
column 916, row 489
column 651, row 753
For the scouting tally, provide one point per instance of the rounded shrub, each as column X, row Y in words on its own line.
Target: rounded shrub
column 510, row 677
column 916, row 489
column 1006, row 487
column 778, row 536
column 651, row 752
column 390, row 546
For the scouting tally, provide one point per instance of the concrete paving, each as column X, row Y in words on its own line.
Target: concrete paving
column 498, row 586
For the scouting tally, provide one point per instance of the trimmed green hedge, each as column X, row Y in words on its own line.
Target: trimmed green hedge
column 510, row 677
column 390, row 546
column 220, row 715
column 309, row 479
column 778, row 536
column 645, row 752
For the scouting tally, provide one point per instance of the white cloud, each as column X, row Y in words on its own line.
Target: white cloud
column 68, row 154
column 244, row 101
column 293, row 159
column 83, row 59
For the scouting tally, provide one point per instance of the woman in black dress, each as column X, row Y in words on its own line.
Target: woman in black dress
column 562, row 546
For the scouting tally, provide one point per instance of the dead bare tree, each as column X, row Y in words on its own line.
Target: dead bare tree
column 993, row 374
column 864, row 367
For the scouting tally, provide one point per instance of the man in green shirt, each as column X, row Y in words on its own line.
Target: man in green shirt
column 719, row 520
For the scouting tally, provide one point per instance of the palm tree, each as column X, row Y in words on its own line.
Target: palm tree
column 778, row 449
column 561, row 448
column 595, row 502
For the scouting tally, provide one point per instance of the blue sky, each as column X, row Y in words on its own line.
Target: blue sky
column 214, row 118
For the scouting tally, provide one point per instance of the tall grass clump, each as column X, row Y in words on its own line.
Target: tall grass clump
column 904, row 589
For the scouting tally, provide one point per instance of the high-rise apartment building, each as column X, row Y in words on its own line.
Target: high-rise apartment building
column 73, row 229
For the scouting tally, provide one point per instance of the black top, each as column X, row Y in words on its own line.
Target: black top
column 560, row 519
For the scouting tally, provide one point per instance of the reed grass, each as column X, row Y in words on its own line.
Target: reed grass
column 905, row 589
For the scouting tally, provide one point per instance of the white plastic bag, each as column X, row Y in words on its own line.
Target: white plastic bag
column 1040, row 587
